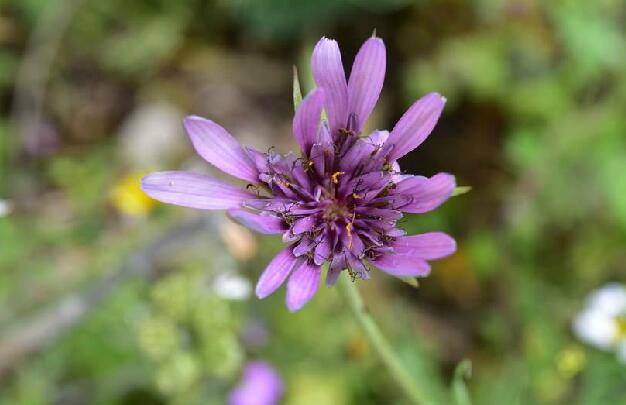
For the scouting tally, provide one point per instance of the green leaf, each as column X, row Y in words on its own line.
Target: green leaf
column 412, row 281
column 461, row 190
column 297, row 93
column 460, row 394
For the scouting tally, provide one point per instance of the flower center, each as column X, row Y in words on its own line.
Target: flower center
column 336, row 211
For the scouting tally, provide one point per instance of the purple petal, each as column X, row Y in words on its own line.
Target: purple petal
column 415, row 125
column 410, row 185
column 366, row 79
column 302, row 178
column 259, row 158
column 356, row 265
column 307, row 120
column 276, row 272
column 426, row 193
column 322, row 251
column 288, row 237
column 402, row 265
column 324, row 136
column 429, row 246
column 194, row 190
column 397, row 172
column 264, row 224
column 352, row 242
column 317, row 156
column 329, row 76
column 378, row 138
column 396, row 233
column 358, row 153
column 302, row 286
column 219, row 148
column 303, row 225
column 304, row 246
column 270, row 204
column 369, row 185
column 385, row 214
column 332, row 275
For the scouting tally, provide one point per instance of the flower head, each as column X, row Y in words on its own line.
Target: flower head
column 260, row 385
column 339, row 201
column 602, row 323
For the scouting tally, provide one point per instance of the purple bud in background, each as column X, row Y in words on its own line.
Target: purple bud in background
column 260, row 385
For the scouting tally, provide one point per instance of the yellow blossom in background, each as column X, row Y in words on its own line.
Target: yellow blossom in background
column 571, row 361
column 128, row 199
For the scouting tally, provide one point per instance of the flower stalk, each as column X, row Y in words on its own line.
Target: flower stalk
column 380, row 344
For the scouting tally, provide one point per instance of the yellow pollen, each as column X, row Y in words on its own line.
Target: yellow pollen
column 349, row 230
column 357, row 196
column 336, row 176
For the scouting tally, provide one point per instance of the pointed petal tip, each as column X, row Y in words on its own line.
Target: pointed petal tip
column 149, row 180
column 218, row 147
column 377, row 41
column 447, row 176
column 325, row 41
column 144, row 181
column 416, row 124
column 191, row 118
column 262, row 291
column 144, row 185
column 260, row 294
column 294, row 307
column 276, row 273
column 454, row 245
column 435, row 95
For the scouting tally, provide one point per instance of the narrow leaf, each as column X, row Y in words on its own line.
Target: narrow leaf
column 461, row 190
column 297, row 93
column 412, row 281
column 460, row 393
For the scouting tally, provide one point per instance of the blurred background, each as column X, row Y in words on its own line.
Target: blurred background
column 107, row 297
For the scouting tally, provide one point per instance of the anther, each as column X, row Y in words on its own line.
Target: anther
column 336, row 175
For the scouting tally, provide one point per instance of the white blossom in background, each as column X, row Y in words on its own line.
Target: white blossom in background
column 602, row 323
column 232, row 286
column 5, row 208
column 151, row 134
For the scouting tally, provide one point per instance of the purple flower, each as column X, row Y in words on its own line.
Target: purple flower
column 260, row 385
column 339, row 201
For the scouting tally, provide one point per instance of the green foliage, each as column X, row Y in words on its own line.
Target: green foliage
column 279, row 19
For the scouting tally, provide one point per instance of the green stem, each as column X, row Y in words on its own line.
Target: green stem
column 380, row 344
